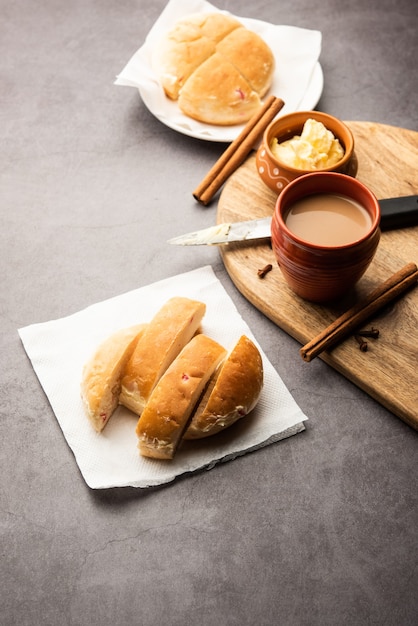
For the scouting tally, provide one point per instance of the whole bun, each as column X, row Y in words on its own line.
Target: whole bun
column 232, row 393
column 215, row 68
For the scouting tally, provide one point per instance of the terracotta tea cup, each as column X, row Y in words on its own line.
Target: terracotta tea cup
column 321, row 272
column 276, row 174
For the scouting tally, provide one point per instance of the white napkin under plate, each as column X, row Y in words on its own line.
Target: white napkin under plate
column 59, row 348
column 296, row 51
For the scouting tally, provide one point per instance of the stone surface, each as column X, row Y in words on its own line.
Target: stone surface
column 317, row 530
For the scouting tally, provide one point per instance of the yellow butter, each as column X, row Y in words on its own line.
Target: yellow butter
column 315, row 149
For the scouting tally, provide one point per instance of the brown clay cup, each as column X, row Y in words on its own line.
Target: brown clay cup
column 275, row 174
column 323, row 273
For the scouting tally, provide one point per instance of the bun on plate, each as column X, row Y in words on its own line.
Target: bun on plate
column 217, row 69
column 232, row 393
column 164, row 337
column 168, row 410
column 102, row 374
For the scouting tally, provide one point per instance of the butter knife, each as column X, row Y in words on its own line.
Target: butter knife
column 395, row 213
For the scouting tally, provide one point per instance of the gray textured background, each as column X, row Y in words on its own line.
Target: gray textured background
column 318, row 530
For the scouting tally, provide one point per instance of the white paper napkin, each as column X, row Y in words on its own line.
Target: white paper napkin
column 58, row 350
column 296, row 51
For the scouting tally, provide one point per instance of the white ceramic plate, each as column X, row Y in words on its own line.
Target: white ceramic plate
column 298, row 77
column 222, row 133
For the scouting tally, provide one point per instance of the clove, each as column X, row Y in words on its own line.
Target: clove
column 373, row 333
column 363, row 345
column 265, row 270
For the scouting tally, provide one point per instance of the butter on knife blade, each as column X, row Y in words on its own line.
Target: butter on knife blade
column 395, row 213
column 226, row 233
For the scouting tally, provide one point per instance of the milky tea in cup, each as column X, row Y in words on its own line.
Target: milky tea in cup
column 328, row 219
column 325, row 232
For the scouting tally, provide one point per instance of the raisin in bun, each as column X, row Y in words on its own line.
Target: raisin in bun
column 102, row 374
column 168, row 410
column 232, row 393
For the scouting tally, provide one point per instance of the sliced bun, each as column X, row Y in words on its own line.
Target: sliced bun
column 102, row 374
column 215, row 67
column 232, row 393
column 164, row 337
column 168, row 410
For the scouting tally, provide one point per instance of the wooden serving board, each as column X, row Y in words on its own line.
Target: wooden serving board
column 388, row 371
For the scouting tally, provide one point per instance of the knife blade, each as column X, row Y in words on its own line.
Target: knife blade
column 398, row 212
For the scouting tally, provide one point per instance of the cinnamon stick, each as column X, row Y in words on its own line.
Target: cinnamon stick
column 238, row 150
column 354, row 317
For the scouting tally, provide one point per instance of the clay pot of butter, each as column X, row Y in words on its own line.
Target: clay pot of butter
column 324, row 233
column 302, row 142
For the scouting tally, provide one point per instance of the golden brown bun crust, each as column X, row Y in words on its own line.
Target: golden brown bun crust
column 165, row 336
column 206, row 101
column 215, row 26
column 251, row 56
column 188, row 44
column 102, row 374
column 224, row 95
column 168, row 410
column 176, row 60
column 234, row 393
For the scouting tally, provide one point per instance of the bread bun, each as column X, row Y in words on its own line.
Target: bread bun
column 168, row 410
column 164, row 337
column 102, row 374
column 215, row 67
column 251, row 56
column 190, row 42
column 232, row 393
column 224, row 99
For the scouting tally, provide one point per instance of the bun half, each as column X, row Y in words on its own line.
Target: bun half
column 251, row 56
column 102, row 374
column 232, row 393
column 217, row 93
